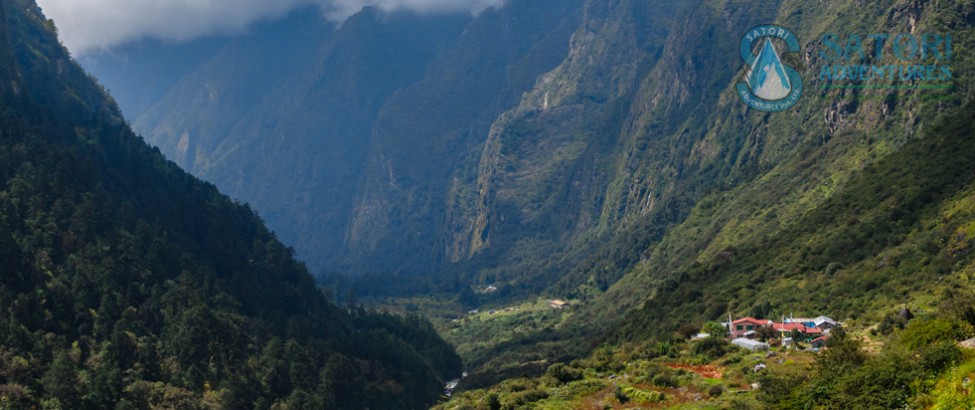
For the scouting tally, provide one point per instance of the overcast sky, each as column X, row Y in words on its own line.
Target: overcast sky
column 88, row 25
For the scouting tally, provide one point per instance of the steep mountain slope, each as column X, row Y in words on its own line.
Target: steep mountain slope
column 676, row 204
column 603, row 152
column 144, row 71
column 417, row 193
column 330, row 118
column 770, row 185
column 595, row 164
column 127, row 283
column 304, row 96
column 545, row 170
column 853, row 203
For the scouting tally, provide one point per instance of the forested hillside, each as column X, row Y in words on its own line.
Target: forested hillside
column 596, row 151
column 127, row 283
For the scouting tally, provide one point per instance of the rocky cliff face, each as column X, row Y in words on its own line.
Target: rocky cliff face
column 749, row 192
column 348, row 140
column 545, row 144
column 418, row 190
column 657, row 196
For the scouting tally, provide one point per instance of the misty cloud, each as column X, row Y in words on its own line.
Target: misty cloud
column 87, row 25
column 342, row 9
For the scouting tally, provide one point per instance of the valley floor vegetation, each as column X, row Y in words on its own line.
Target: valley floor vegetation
column 901, row 362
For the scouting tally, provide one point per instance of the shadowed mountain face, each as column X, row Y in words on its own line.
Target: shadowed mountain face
column 592, row 149
column 314, row 125
column 143, row 72
column 292, row 131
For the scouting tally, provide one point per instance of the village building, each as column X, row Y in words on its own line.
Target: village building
column 813, row 330
column 557, row 304
column 749, row 344
column 787, row 329
column 826, row 323
column 745, row 327
column 819, row 342
column 820, row 322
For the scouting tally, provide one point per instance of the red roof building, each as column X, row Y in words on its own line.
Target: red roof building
column 819, row 342
column 786, row 330
column 740, row 327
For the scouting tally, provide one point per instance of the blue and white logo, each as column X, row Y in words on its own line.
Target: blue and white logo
column 769, row 85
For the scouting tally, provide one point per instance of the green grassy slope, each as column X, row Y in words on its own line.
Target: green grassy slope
column 850, row 204
column 893, row 234
column 841, row 216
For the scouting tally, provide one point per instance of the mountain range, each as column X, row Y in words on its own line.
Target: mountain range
column 540, row 145
column 340, row 105
column 590, row 150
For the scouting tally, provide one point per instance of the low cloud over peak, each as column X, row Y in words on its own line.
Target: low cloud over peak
column 342, row 9
column 89, row 25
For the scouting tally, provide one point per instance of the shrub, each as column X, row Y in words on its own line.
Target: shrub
column 518, row 385
column 563, row 373
column 950, row 392
column 686, row 330
column 735, row 359
column 493, row 402
column 664, row 380
column 643, row 396
column 883, row 382
column 779, row 391
column 889, row 324
column 525, row 397
column 584, row 388
column 919, row 334
column 715, row 391
column 663, row 348
column 939, row 357
column 645, row 376
column 620, row 395
column 714, row 329
column 712, row 348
